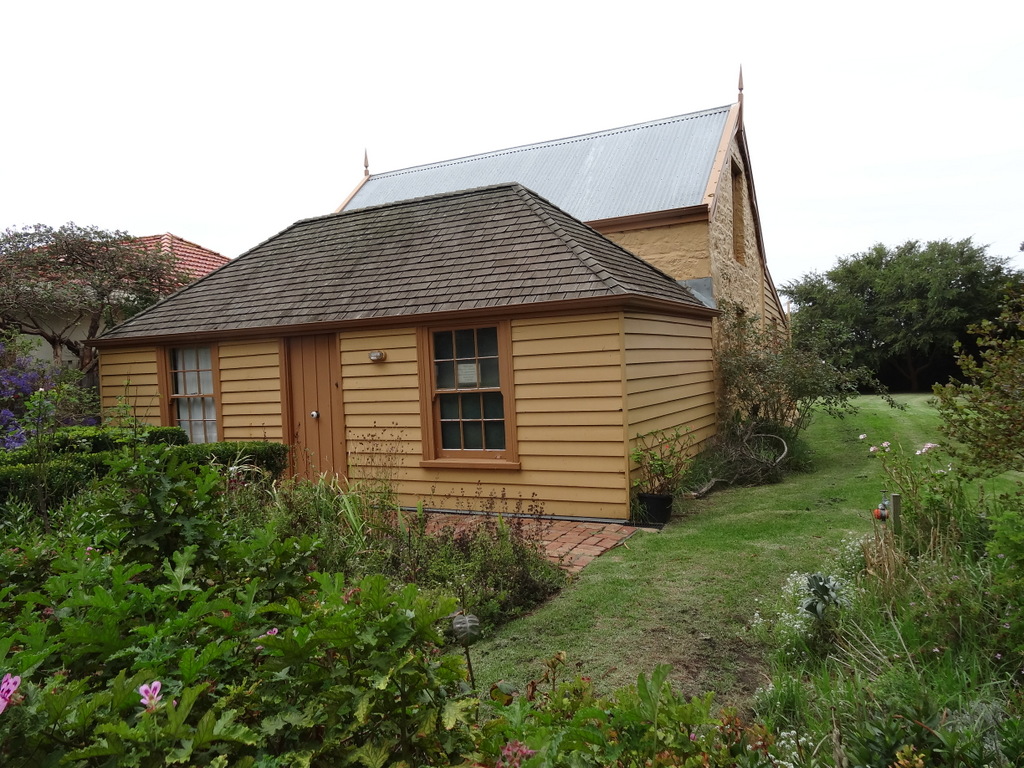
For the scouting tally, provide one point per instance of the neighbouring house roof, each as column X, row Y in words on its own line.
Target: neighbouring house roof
column 495, row 247
column 193, row 259
column 656, row 166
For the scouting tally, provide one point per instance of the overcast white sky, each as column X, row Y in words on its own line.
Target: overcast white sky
column 224, row 122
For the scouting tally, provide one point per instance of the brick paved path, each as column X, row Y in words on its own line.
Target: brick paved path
column 573, row 544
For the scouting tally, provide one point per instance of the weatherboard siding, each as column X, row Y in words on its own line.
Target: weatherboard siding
column 130, row 375
column 574, row 414
column 250, row 390
column 670, row 375
column 567, row 384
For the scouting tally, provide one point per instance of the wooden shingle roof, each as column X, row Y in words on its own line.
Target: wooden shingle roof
column 494, row 247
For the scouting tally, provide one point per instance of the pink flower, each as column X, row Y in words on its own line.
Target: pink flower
column 7, row 688
column 873, row 448
column 886, row 444
column 513, row 753
column 150, row 695
column 862, row 437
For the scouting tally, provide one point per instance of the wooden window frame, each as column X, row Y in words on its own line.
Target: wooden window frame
column 169, row 411
column 468, row 458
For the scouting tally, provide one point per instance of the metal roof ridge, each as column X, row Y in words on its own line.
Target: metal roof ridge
column 548, row 143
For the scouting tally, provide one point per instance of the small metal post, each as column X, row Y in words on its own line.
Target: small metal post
column 897, row 523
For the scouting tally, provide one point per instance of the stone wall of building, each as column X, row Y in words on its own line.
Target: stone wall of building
column 679, row 250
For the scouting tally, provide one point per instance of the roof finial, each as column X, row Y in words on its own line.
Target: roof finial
column 741, row 85
column 366, row 163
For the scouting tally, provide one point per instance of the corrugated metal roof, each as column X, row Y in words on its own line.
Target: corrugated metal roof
column 655, row 166
column 500, row 246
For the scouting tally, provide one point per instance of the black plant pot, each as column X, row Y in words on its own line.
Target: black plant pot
column 655, row 508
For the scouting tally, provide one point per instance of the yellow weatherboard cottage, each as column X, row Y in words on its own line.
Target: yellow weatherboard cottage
column 481, row 339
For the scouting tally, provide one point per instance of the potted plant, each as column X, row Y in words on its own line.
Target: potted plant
column 661, row 458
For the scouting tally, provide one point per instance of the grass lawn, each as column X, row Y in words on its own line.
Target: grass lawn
column 686, row 595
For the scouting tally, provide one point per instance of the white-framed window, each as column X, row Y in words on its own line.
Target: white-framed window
column 193, row 397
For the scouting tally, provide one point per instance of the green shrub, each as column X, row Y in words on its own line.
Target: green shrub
column 272, row 457
column 496, row 566
column 334, row 673
column 160, row 503
column 165, row 436
column 56, row 480
column 565, row 723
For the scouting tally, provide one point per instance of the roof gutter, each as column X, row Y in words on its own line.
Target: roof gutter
column 687, row 215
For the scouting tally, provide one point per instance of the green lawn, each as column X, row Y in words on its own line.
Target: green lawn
column 686, row 595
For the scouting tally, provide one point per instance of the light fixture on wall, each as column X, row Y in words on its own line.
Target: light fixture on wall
column 378, row 356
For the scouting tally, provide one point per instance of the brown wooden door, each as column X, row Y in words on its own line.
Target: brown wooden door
column 314, row 395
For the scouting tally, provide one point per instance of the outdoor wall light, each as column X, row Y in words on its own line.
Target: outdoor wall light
column 378, row 356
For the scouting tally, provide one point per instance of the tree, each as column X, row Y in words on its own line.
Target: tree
column 66, row 285
column 983, row 414
column 771, row 386
column 904, row 308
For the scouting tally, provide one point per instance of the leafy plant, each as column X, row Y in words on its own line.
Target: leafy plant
column 662, row 458
column 160, row 503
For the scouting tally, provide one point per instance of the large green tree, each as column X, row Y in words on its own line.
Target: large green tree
column 66, row 285
column 901, row 310
column 983, row 409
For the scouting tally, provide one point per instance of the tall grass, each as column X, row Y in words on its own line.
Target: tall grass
column 919, row 662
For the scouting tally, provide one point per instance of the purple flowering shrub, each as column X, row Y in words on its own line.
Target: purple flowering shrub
column 21, row 377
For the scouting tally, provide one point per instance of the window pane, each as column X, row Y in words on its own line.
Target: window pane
column 471, row 406
column 494, row 433
column 445, row 373
column 443, row 349
column 179, row 383
column 204, row 361
column 450, row 437
column 489, row 372
column 464, row 344
column 206, row 382
column 487, row 342
column 467, row 375
column 211, row 431
column 191, row 383
column 473, row 434
column 493, row 408
column 467, row 360
column 449, row 406
column 209, row 412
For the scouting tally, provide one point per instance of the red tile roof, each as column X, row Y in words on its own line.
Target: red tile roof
column 193, row 259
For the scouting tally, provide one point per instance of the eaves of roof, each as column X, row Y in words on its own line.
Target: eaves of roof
column 500, row 248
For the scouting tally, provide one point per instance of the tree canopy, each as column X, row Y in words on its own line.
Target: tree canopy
column 901, row 310
column 983, row 412
column 67, row 285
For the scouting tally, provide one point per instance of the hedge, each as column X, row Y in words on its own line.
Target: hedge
column 67, row 474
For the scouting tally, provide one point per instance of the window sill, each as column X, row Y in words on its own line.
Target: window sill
column 455, row 463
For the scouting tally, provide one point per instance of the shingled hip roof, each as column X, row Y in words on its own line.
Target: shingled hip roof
column 655, row 166
column 495, row 247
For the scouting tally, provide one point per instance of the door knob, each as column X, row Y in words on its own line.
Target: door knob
column 314, row 414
